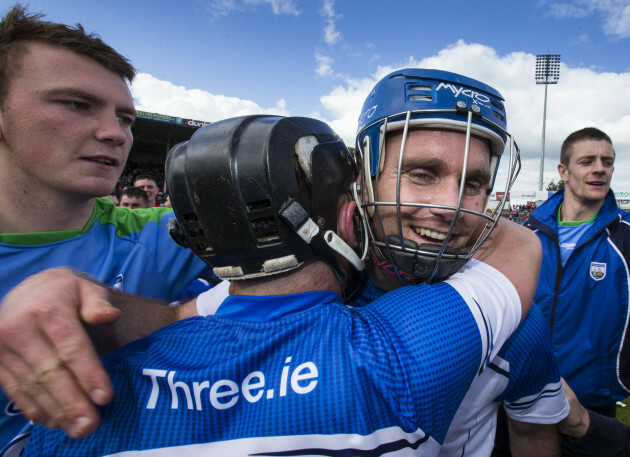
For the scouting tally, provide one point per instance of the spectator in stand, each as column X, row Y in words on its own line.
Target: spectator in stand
column 133, row 198
column 149, row 185
column 113, row 198
column 65, row 133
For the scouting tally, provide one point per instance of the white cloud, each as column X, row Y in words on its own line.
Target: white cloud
column 218, row 8
column 618, row 22
column 576, row 8
column 616, row 13
column 156, row 96
column 279, row 6
column 331, row 34
column 582, row 39
column 324, row 65
column 583, row 97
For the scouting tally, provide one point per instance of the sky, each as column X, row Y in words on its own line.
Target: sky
column 214, row 59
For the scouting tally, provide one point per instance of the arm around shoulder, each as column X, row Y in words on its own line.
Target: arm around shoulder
column 48, row 364
column 516, row 252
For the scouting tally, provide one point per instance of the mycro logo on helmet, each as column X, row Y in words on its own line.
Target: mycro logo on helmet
column 457, row 91
column 367, row 114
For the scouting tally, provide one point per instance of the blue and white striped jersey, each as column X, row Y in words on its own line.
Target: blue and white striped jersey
column 523, row 375
column 301, row 374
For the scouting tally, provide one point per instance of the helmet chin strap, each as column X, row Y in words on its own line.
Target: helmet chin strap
column 324, row 245
column 415, row 263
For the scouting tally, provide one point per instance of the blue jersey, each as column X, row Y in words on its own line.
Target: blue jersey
column 128, row 249
column 523, row 375
column 297, row 375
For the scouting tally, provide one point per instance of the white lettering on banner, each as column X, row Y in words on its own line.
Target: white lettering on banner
column 476, row 96
column 194, row 123
column 225, row 393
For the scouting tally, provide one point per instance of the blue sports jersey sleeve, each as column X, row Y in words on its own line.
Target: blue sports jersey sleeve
column 534, row 392
column 417, row 320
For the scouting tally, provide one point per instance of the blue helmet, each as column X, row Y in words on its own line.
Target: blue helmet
column 431, row 99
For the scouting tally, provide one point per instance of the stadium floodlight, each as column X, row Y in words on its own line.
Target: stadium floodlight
column 547, row 72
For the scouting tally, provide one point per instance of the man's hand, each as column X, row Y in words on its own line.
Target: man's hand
column 48, row 365
column 577, row 422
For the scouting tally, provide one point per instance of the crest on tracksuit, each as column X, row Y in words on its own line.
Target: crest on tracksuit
column 118, row 283
column 598, row 271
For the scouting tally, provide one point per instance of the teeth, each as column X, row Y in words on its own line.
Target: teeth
column 105, row 161
column 431, row 234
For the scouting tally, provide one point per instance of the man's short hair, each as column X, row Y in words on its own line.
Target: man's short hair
column 18, row 29
column 587, row 133
column 135, row 192
column 145, row 176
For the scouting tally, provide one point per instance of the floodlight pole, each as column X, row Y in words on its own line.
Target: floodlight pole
column 547, row 72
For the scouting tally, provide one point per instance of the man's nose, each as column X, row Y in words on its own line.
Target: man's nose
column 447, row 197
column 110, row 129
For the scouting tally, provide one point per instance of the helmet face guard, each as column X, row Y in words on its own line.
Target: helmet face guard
column 257, row 195
column 434, row 100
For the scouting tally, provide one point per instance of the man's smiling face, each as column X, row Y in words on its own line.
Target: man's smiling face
column 431, row 174
column 589, row 171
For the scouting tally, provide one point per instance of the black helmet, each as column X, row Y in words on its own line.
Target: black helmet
column 257, row 195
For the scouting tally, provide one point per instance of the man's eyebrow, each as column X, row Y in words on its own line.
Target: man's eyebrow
column 433, row 163
column 479, row 174
column 594, row 156
column 436, row 163
column 88, row 97
column 127, row 110
column 73, row 92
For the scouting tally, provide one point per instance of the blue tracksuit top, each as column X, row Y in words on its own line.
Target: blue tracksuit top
column 587, row 301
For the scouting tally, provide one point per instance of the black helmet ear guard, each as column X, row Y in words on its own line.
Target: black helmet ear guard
column 175, row 162
column 257, row 195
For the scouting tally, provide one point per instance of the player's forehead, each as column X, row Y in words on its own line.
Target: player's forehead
column 590, row 149
column 145, row 182
column 436, row 147
column 52, row 69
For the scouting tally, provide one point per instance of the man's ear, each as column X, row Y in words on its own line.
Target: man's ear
column 345, row 223
column 562, row 171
